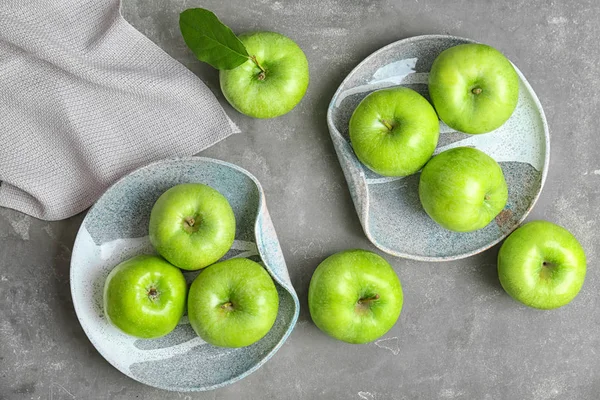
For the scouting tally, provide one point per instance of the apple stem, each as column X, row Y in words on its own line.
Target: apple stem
column 387, row 124
column 368, row 299
column 548, row 264
column 227, row 306
column 477, row 90
column 190, row 221
column 152, row 293
column 261, row 76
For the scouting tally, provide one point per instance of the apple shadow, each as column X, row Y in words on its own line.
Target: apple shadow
column 488, row 273
column 301, row 285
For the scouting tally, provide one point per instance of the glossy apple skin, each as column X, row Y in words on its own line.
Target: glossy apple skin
column 337, row 287
column 285, row 79
column 208, row 238
column 462, row 189
column 542, row 265
column 233, row 303
column 145, row 296
column 408, row 145
column 455, row 77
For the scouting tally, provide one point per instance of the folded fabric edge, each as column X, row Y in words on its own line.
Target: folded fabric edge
column 13, row 198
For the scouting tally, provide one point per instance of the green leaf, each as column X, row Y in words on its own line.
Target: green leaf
column 210, row 40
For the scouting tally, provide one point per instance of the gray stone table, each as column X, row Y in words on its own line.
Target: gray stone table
column 459, row 336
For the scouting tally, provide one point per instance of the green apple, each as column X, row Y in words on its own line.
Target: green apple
column 233, row 303
column 394, row 131
column 542, row 265
column 145, row 296
column 462, row 189
column 474, row 88
column 192, row 225
column 355, row 296
column 272, row 82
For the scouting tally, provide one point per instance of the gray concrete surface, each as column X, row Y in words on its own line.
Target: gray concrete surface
column 459, row 336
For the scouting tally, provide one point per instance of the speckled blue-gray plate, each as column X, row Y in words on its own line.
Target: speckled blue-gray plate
column 116, row 228
column 389, row 208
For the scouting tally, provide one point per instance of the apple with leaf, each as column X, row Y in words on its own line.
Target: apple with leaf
column 262, row 74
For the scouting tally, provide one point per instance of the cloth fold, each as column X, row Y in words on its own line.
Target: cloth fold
column 86, row 98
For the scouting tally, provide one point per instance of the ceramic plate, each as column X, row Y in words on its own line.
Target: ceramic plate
column 389, row 208
column 116, row 228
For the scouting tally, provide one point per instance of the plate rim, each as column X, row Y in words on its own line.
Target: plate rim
column 333, row 131
column 287, row 287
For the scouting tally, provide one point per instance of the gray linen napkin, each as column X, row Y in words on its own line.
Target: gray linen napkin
column 84, row 99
